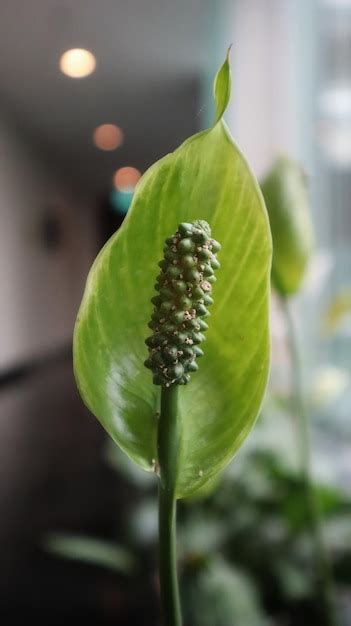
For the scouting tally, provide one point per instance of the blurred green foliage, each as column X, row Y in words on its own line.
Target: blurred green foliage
column 91, row 550
column 245, row 549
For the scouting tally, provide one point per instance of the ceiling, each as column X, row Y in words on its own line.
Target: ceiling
column 150, row 55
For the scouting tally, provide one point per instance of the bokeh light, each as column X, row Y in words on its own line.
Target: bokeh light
column 108, row 137
column 336, row 101
column 77, row 63
column 121, row 200
column 126, row 178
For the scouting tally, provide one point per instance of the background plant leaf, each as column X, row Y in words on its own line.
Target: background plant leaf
column 91, row 550
column 208, row 178
column 285, row 193
column 218, row 594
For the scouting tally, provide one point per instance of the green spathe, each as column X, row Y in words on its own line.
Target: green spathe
column 285, row 193
column 206, row 178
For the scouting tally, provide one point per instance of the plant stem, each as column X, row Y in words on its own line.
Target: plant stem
column 168, row 451
column 304, row 447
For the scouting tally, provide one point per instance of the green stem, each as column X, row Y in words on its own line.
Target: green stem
column 304, row 448
column 168, row 451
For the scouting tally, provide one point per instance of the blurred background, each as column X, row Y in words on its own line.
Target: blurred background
column 91, row 94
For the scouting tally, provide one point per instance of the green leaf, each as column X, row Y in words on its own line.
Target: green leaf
column 123, row 465
column 217, row 594
column 222, row 89
column 91, row 550
column 295, row 579
column 285, row 192
column 207, row 178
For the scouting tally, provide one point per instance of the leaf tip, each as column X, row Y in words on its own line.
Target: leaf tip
column 222, row 87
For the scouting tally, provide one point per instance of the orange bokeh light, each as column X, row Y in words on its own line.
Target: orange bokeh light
column 126, row 178
column 108, row 137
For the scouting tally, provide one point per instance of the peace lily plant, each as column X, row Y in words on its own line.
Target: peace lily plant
column 173, row 407
column 285, row 193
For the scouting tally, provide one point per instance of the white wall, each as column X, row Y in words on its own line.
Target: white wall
column 264, row 106
column 39, row 290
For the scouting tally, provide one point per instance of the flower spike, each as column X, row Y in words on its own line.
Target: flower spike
column 184, row 288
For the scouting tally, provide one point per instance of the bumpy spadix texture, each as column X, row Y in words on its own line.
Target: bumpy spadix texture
column 184, row 285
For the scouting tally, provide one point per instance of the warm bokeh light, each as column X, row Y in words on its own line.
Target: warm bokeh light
column 108, row 137
column 77, row 63
column 126, row 178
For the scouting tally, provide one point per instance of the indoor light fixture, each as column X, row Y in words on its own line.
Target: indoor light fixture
column 77, row 63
